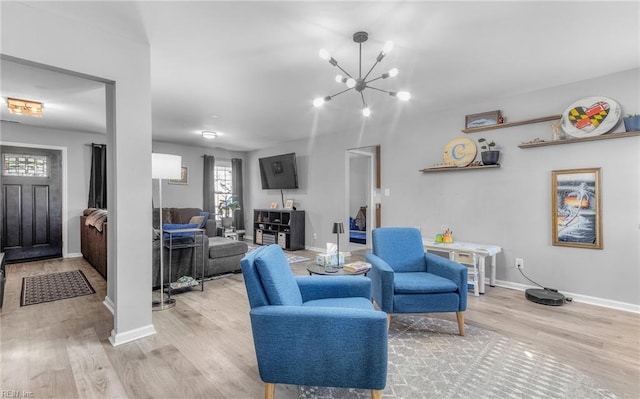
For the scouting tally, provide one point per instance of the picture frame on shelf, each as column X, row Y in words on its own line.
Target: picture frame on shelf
column 274, row 205
column 576, row 208
column 489, row 118
column 288, row 204
column 184, row 176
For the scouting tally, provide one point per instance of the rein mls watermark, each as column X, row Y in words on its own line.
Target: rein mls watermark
column 14, row 393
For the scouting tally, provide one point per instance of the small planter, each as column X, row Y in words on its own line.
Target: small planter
column 490, row 157
column 632, row 123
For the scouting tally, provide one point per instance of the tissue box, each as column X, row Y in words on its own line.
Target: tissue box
column 329, row 260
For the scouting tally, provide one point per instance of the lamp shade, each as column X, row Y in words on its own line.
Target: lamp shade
column 166, row 166
column 338, row 228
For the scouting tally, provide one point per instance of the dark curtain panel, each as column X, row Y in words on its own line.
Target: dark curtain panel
column 98, row 178
column 209, row 195
column 236, row 183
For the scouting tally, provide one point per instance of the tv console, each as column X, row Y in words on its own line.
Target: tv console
column 284, row 227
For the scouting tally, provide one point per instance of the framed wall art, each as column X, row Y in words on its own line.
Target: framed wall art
column 288, row 204
column 483, row 119
column 184, row 176
column 576, row 212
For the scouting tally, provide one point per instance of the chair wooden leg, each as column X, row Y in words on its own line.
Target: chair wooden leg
column 460, row 316
column 269, row 391
column 375, row 394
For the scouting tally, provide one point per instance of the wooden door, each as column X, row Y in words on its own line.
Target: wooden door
column 31, row 216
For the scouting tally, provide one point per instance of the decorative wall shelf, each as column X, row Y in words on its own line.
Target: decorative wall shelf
column 458, row 169
column 510, row 124
column 580, row 139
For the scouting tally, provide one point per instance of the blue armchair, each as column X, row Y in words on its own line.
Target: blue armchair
column 316, row 331
column 405, row 279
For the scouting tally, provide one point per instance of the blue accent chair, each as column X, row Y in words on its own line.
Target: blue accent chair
column 406, row 279
column 313, row 330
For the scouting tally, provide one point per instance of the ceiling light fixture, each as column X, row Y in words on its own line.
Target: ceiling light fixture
column 208, row 134
column 360, row 83
column 24, row 107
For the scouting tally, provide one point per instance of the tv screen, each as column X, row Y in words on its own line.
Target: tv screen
column 279, row 172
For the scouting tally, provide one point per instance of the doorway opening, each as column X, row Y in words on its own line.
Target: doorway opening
column 362, row 204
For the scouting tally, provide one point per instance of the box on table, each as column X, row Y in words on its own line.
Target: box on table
column 329, row 259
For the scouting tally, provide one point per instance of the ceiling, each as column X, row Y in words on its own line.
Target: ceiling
column 249, row 70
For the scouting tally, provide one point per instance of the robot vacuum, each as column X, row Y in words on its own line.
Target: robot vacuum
column 546, row 296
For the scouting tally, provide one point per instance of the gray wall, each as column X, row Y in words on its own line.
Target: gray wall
column 509, row 206
column 78, row 167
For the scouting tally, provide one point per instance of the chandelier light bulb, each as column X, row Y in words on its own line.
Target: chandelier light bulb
column 393, row 72
column 366, row 112
column 324, row 54
column 388, row 46
column 339, row 78
column 208, row 134
column 404, row 95
column 351, row 83
column 317, row 102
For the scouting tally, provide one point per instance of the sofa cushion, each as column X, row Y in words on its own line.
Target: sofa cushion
column 220, row 247
column 277, row 278
column 183, row 215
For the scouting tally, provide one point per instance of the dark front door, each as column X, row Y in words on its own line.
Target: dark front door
column 31, row 224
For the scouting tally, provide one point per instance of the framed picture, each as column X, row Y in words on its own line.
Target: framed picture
column 274, row 205
column 483, row 119
column 288, row 204
column 575, row 219
column 184, row 176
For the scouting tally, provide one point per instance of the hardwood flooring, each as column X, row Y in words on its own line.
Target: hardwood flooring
column 204, row 348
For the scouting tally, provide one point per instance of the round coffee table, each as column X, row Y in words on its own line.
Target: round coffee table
column 314, row 268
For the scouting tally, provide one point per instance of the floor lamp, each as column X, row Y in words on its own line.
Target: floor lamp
column 164, row 166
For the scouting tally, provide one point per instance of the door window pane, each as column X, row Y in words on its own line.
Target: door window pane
column 25, row 165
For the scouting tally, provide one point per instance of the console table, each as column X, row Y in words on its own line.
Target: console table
column 480, row 250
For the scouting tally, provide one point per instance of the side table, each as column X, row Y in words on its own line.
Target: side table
column 175, row 242
column 314, row 268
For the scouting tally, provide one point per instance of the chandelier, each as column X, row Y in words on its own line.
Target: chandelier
column 361, row 83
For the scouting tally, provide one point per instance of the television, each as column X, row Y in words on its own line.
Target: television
column 279, row 172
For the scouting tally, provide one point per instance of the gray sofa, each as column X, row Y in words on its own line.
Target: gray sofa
column 222, row 255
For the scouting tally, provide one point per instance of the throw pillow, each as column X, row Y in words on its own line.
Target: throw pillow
column 198, row 220
column 205, row 215
column 277, row 278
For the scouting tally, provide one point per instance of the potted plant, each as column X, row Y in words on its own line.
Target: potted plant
column 489, row 156
column 632, row 122
column 226, row 208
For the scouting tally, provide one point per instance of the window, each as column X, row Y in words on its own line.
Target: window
column 223, row 185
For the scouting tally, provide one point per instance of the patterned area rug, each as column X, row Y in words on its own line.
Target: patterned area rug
column 55, row 286
column 290, row 257
column 427, row 359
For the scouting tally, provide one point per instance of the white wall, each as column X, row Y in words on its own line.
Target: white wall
column 509, row 206
column 38, row 33
column 78, row 167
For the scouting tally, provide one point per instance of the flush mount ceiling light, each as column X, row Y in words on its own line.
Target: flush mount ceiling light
column 24, row 107
column 208, row 134
column 361, row 83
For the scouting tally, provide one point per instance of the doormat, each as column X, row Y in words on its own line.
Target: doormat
column 54, row 286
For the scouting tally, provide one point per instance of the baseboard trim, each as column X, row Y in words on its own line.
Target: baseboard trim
column 118, row 339
column 108, row 303
column 591, row 300
column 74, row 255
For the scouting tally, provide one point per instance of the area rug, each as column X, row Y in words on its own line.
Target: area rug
column 54, row 286
column 427, row 359
column 290, row 257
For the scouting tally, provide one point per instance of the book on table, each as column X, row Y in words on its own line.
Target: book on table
column 355, row 267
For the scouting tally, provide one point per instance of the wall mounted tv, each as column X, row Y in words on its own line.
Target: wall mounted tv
column 279, row 172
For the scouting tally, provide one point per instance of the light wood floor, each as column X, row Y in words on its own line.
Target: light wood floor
column 204, row 349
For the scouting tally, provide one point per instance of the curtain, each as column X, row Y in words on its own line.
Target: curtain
column 236, row 183
column 208, row 186
column 98, row 177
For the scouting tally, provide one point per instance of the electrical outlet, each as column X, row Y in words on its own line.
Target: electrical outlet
column 315, row 236
column 519, row 263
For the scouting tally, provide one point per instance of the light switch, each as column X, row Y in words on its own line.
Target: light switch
column 387, row 192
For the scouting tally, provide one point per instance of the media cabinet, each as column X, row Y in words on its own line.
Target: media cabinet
column 284, row 227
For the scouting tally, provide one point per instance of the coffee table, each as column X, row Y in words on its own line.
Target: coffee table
column 314, row 268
